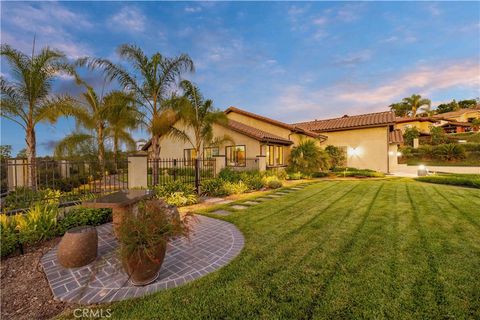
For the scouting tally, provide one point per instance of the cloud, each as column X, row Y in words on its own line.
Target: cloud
column 193, row 9
column 354, row 58
column 52, row 24
column 433, row 9
column 129, row 19
column 301, row 102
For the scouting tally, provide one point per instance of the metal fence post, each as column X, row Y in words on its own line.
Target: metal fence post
column 174, row 169
column 197, row 175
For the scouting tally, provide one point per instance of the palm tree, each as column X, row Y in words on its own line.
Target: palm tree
column 27, row 99
column 94, row 114
column 157, row 76
column 199, row 115
column 416, row 103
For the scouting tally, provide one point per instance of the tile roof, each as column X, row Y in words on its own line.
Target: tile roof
column 456, row 113
column 256, row 133
column 419, row 119
column 350, row 122
column 395, row 136
column 457, row 123
column 291, row 127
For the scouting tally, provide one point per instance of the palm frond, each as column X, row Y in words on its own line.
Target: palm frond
column 68, row 144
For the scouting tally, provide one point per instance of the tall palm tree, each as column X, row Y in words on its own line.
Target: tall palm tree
column 93, row 114
column 122, row 118
column 27, row 99
column 199, row 115
column 416, row 103
column 152, row 79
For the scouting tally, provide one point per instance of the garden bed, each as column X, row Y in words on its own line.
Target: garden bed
column 25, row 292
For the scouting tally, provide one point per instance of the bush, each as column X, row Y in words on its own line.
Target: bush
column 295, row 176
column 320, row 175
column 83, row 216
column 228, row 174
column 234, row 187
column 273, row 182
column 450, row 152
column 410, row 134
column 253, row 182
column 8, row 236
column 466, row 180
column 308, row 158
column 359, row 173
column 337, row 156
column 24, row 197
column 177, row 193
column 437, row 135
column 213, row 187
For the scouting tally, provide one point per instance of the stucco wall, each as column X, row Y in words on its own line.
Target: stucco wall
column 422, row 126
column 370, row 146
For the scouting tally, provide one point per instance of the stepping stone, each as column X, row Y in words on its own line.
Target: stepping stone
column 262, row 199
column 224, row 202
column 251, row 203
column 221, row 212
column 281, row 193
column 274, row 196
column 238, row 207
column 213, row 200
column 297, row 188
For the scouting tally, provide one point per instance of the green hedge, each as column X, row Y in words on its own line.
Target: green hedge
column 465, row 180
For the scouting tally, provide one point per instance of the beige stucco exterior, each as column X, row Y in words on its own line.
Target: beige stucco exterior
column 465, row 116
column 367, row 148
column 422, row 126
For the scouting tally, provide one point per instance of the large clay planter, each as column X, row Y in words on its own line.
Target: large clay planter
column 143, row 270
column 78, row 247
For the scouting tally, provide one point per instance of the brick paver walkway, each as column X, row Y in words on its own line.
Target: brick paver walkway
column 213, row 244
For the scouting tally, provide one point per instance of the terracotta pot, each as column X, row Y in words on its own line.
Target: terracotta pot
column 143, row 270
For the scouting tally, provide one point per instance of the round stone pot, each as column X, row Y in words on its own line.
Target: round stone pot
column 143, row 269
column 78, row 247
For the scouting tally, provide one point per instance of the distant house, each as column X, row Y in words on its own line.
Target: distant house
column 369, row 141
column 423, row 124
column 462, row 115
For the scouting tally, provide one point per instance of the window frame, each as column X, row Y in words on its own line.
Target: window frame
column 213, row 155
column 236, row 162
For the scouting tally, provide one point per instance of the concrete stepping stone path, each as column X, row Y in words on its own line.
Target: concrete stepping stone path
column 238, row 207
column 221, row 212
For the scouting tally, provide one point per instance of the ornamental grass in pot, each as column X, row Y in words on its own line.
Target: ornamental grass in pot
column 143, row 238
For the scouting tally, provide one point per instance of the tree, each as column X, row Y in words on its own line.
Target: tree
column 5, row 151
column 410, row 134
column 401, row 109
column 199, row 115
column 307, row 157
column 27, row 100
column 152, row 79
column 437, row 135
column 337, row 156
column 93, row 114
column 447, row 107
column 416, row 103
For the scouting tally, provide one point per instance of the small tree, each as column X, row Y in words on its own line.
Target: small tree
column 438, row 136
column 308, row 158
column 337, row 156
column 410, row 134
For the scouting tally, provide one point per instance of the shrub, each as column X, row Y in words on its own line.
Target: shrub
column 337, row 156
column 319, row 174
column 8, row 236
column 273, row 182
column 295, row 176
column 213, row 187
column 83, row 216
column 228, row 174
column 359, row 173
column 37, row 224
column 253, row 182
column 308, row 158
column 450, row 151
column 410, row 134
column 24, row 197
column 437, row 135
column 234, row 187
column 177, row 193
column 466, row 180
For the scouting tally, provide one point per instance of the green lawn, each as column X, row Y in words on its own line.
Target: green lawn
column 394, row 249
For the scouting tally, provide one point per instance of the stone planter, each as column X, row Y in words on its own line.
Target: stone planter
column 143, row 269
column 78, row 247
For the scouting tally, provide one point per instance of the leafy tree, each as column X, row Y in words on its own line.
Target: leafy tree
column 199, row 115
column 152, row 80
column 22, row 153
column 27, row 99
column 454, row 105
column 471, row 103
column 476, row 124
column 416, row 103
column 401, row 109
column 5, row 151
column 410, row 134
column 337, row 156
column 307, row 157
column 437, row 135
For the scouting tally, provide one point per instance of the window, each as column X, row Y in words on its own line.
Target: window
column 235, row 156
column 210, row 152
column 279, row 155
column 190, row 155
column 270, row 156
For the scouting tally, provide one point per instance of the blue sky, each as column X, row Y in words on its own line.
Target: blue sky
column 292, row 61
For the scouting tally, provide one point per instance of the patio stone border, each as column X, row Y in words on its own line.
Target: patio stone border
column 213, row 244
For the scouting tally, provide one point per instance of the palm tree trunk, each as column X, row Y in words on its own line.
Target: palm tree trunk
column 156, row 158
column 101, row 149
column 115, row 152
column 30, row 139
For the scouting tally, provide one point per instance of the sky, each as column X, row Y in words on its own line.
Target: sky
column 292, row 61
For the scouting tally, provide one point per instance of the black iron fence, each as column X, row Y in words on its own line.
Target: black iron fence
column 64, row 181
column 247, row 164
column 163, row 171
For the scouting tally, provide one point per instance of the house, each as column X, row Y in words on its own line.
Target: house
column 369, row 141
column 252, row 139
column 423, row 124
column 462, row 115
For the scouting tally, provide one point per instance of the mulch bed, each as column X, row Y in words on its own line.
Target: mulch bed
column 25, row 293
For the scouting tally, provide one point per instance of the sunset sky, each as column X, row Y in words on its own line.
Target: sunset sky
column 291, row 61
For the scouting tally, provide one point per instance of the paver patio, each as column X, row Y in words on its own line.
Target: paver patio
column 213, row 243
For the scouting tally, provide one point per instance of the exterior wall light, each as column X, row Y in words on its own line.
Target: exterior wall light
column 399, row 154
column 354, row 151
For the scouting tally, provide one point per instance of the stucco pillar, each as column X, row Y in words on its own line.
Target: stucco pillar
column 138, row 170
column 416, row 143
column 262, row 163
column 17, row 173
column 64, row 169
column 219, row 163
